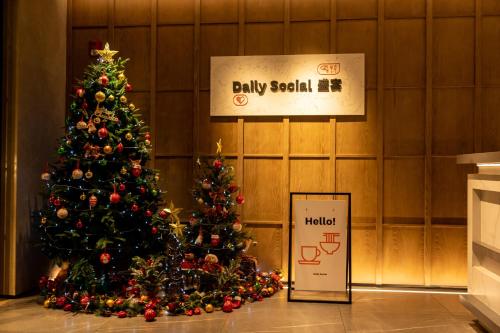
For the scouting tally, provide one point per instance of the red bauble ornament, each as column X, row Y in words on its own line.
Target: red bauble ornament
column 171, row 307
column 105, row 258
column 136, row 170
column 92, row 201
column 228, row 306
column 119, row 147
column 142, row 189
column 154, row 230
column 217, row 164
column 68, row 307
column 150, row 314
column 236, row 302
column 148, row 213
column 42, row 282
column 103, row 80
column 103, row 132
column 189, row 312
column 232, row 188
column 214, row 240
column 147, row 136
column 122, row 187
column 79, row 224
column 56, row 202
column 163, row 213
column 114, row 198
column 80, row 92
column 135, row 208
column 240, row 199
column 84, row 301
column 60, row 301
column 197, row 311
column 128, row 87
column 122, row 314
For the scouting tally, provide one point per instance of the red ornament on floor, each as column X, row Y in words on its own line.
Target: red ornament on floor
column 150, row 314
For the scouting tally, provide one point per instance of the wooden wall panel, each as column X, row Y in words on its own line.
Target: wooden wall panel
column 89, row 13
column 490, row 71
column 355, row 9
column 309, row 10
column 176, row 178
column 213, row 129
column 491, row 119
column 490, row 7
column 263, row 191
column 268, row 247
column 175, row 11
column 453, row 7
column 453, row 51
column 135, row 44
column 364, row 254
column 263, row 136
column 264, row 38
column 404, row 9
column 264, row 10
column 310, row 175
column 403, row 255
column 310, row 37
column 357, row 135
column 132, row 12
column 404, row 191
column 378, row 157
column 449, row 256
column 219, row 11
column 80, row 49
column 175, row 57
column 449, row 200
column 453, row 114
column 310, row 135
column 404, row 122
column 404, row 66
column 360, row 178
column 360, row 36
column 174, row 120
column 216, row 40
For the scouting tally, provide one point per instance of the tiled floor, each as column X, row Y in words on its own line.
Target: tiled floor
column 370, row 312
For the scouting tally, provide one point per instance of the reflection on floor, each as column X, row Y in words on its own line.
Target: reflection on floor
column 370, row 312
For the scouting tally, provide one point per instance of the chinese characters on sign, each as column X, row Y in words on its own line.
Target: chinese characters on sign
column 321, row 84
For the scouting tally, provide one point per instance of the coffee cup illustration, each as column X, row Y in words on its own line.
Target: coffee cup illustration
column 309, row 254
column 329, row 245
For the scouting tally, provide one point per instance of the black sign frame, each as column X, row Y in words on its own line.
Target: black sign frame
column 348, row 256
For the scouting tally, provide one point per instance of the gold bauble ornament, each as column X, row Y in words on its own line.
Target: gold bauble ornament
column 43, row 220
column 89, row 174
column 121, row 76
column 147, row 142
column 97, row 120
column 45, row 176
column 68, row 142
column 100, row 96
column 81, row 125
column 107, row 149
column 83, row 196
column 110, row 303
column 123, row 170
column 123, row 99
column 46, row 303
column 129, row 136
column 131, row 107
column 62, row 213
column 77, row 174
column 157, row 177
column 111, row 98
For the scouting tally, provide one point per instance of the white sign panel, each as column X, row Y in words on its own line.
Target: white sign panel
column 320, row 245
column 288, row 85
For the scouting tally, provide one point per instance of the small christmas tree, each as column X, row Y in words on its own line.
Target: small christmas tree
column 214, row 236
column 101, row 200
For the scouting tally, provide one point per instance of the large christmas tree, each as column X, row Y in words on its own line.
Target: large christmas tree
column 101, row 199
column 214, row 238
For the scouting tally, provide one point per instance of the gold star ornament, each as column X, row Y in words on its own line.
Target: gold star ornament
column 107, row 54
column 176, row 225
column 219, row 146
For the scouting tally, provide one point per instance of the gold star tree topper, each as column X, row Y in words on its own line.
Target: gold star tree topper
column 219, row 146
column 107, row 54
column 176, row 225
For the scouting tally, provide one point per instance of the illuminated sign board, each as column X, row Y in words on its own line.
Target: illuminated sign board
column 288, row 85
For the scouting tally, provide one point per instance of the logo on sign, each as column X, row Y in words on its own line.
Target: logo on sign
column 328, row 68
column 240, row 100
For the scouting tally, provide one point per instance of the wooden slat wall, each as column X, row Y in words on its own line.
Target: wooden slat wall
column 432, row 92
